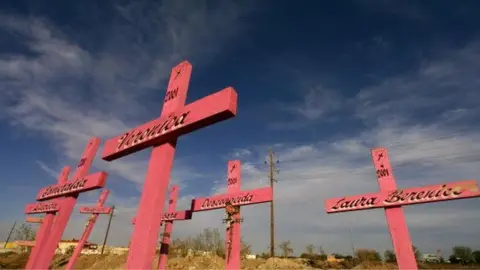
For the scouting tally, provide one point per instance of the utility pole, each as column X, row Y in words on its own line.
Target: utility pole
column 108, row 229
column 351, row 241
column 9, row 235
column 271, row 176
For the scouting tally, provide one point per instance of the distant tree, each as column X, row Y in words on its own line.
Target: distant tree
column 322, row 257
column 453, row 259
column 367, row 254
column 286, row 248
column 310, row 249
column 321, row 251
column 338, row 256
column 390, row 256
column 418, row 254
column 464, row 254
column 476, row 256
column 265, row 255
column 25, row 232
column 246, row 249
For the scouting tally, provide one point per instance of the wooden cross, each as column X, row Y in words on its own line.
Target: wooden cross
column 67, row 194
column 44, row 230
column 391, row 199
column 232, row 200
column 94, row 211
column 168, row 218
column 161, row 134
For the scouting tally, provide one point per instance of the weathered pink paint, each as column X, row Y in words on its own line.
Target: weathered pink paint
column 168, row 228
column 176, row 119
column 232, row 236
column 95, row 210
column 30, row 219
column 42, row 207
column 177, row 215
column 254, row 196
column 45, row 228
column 88, row 229
column 392, row 200
column 83, row 184
column 407, row 196
column 47, row 252
column 168, row 218
column 236, row 198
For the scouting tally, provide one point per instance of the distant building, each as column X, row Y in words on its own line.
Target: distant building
column 430, row 258
column 250, row 256
column 331, row 258
column 65, row 245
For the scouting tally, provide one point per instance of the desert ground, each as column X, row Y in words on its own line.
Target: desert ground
column 17, row 261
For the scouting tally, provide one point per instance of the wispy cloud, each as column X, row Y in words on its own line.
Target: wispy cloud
column 70, row 93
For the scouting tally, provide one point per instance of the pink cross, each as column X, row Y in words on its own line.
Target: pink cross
column 66, row 195
column 47, row 222
column 168, row 218
column 161, row 135
column 94, row 211
column 391, row 199
column 236, row 198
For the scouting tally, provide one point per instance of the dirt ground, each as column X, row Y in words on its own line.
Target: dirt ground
column 18, row 261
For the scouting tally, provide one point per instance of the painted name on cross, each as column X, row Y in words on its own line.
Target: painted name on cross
column 36, row 208
column 206, row 111
column 260, row 195
column 95, row 210
column 177, row 215
column 433, row 193
column 90, row 182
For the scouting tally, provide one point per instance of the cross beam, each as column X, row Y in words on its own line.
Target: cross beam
column 30, row 219
column 173, row 216
column 392, row 199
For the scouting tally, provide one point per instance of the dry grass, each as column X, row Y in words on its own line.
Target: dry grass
column 18, row 261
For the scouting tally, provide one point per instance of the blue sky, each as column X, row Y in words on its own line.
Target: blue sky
column 320, row 82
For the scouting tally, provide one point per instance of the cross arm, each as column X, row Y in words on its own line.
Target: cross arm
column 95, row 210
column 417, row 195
column 206, row 111
column 89, row 182
column 247, row 197
column 25, row 243
column 171, row 216
column 42, row 207
column 30, row 219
